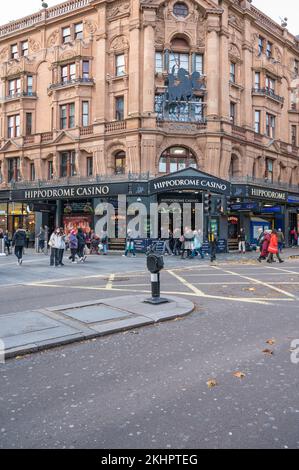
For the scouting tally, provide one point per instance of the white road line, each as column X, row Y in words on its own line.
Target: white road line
column 283, row 270
column 110, row 282
column 257, row 281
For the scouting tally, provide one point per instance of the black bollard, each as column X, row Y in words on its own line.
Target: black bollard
column 155, row 264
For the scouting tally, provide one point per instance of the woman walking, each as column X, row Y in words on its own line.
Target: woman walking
column 19, row 242
column 264, row 250
column 81, row 245
column 73, row 243
column 273, row 248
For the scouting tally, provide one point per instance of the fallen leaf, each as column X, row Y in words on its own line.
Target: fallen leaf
column 268, row 351
column 212, row 383
column 239, row 375
column 271, row 341
column 250, row 289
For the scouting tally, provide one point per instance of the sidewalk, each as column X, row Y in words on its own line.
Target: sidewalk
column 32, row 331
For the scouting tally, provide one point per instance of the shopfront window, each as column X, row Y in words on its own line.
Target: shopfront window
column 176, row 158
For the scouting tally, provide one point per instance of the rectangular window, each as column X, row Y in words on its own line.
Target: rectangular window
column 29, row 85
column 24, row 48
column 296, row 67
column 199, row 63
column 67, row 116
column 85, row 69
column 159, row 62
column 270, row 84
column 257, row 122
column 89, row 166
column 28, row 123
column 14, row 126
column 269, row 170
column 66, row 34
column 257, row 80
column 232, row 72
column 14, row 51
column 261, row 42
column 67, row 164
column 270, row 125
column 50, row 170
column 79, row 31
column 13, row 172
column 14, row 87
column 85, row 113
column 119, row 65
column 178, row 60
column 32, row 172
column 233, row 112
column 68, row 73
column 269, row 50
column 119, row 108
column 294, row 136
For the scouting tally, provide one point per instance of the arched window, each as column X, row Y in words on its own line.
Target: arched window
column 234, row 168
column 175, row 159
column 120, row 163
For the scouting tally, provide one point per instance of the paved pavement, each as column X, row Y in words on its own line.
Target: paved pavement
column 148, row 387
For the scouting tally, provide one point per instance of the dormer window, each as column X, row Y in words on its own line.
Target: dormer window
column 24, row 48
column 14, row 51
column 79, row 31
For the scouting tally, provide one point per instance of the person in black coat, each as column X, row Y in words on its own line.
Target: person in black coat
column 19, row 242
column 81, row 244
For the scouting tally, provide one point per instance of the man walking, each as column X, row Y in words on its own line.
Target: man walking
column 213, row 240
column 242, row 241
column 19, row 242
column 280, row 237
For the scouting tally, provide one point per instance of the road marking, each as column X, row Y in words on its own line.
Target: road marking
column 257, row 281
column 187, row 284
column 283, row 270
column 110, row 282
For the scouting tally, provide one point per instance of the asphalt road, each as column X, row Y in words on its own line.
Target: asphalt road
column 148, row 388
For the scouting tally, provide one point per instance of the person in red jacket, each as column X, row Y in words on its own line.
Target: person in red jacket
column 273, row 248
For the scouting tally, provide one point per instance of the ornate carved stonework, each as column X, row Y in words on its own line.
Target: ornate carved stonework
column 119, row 43
column 53, row 38
column 91, row 26
column 118, row 9
column 68, row 55
column 34, row 46
column 14, row 70
column 234, row 51
column 4, row 54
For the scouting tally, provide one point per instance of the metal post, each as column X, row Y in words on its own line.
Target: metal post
column 2, row 246
column 155, row 285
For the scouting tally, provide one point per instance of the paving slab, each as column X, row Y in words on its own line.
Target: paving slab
column 32, row 331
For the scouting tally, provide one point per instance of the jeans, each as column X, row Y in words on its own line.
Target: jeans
column 105, row 248
column 19, row 252
column 213, row 248
column 280, row 245
column 81, row 251
column 54, row 257
column 60, row 256
column 197, row 251
column 130, row 247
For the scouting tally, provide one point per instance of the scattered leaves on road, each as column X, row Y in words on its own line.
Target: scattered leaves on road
column 268, row 351
column 239, row 375
column 249, row 289
column 212, row 383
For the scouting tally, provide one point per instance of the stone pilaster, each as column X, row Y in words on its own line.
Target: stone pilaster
column 149, row 18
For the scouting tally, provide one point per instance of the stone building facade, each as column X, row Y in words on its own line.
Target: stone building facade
column 85, row 96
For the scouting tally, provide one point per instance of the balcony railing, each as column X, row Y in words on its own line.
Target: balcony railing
column 29, row 139
column 115, row 126
column 264, row 182
column 41, row 16
column 87, row 130
column 74, row 81
column 267, row 92
column 239, row 131
column 23, row 94
column 46, row 137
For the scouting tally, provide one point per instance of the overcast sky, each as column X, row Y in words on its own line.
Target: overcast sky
column 273, row 8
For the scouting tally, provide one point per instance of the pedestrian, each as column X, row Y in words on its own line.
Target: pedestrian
column 265, row 245
column 41, row 238
column 187, row 245
column 242, row 241
column 94, row 245
column 73, row 244
column 104, row 242
column 273, row 248
column 294, row 237
column 130, row 244
column 7, row 241
column 81, row 245
column 197, row 244
column 19, row 242
column 62, row 246
column 166, row 247
column 55, row 245
column 27, row 238
column 213, row 241
column 177, row 242
column 280, row 237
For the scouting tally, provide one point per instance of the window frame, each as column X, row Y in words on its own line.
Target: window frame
column 80, row 32
column 89, row 166
column 84, row 114
column 119, row 112
column 64, row 36
column 68, row 116
column 120, row 70
column 14, row 130
column 25, row 51
column 232, row 72
column 171, row 160
column 13, row 169
column 16, row 54
column 257, row 123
